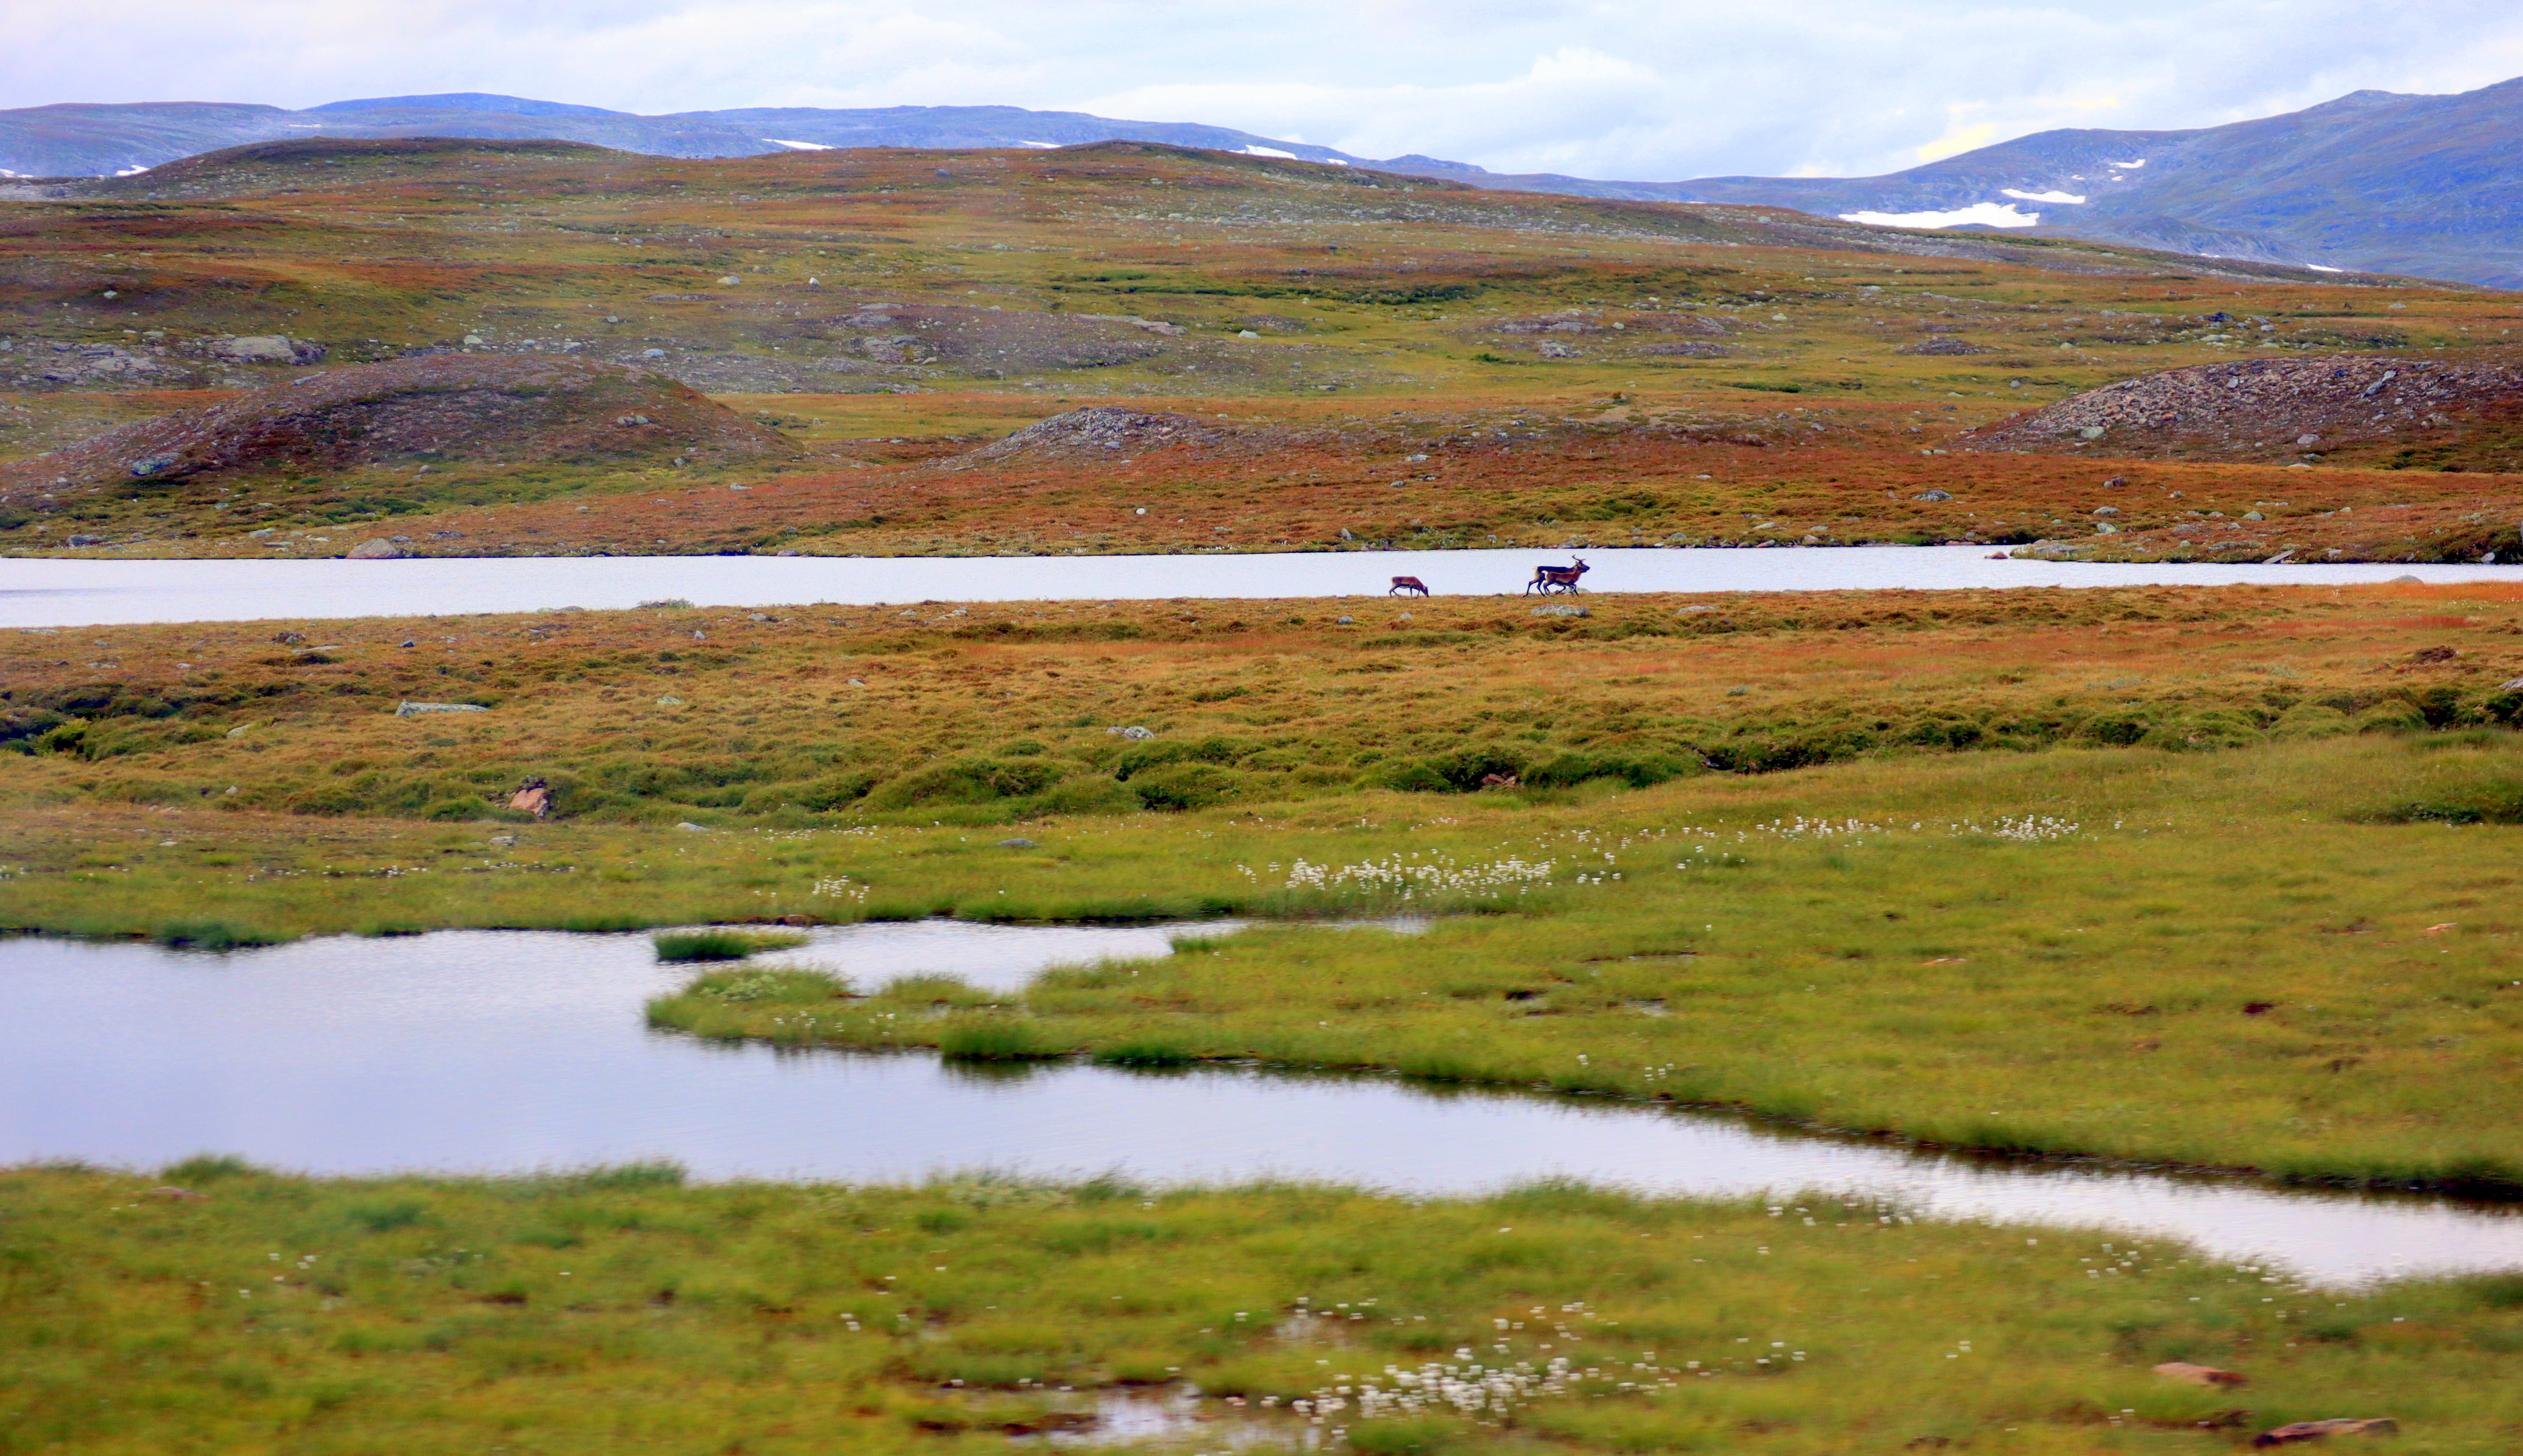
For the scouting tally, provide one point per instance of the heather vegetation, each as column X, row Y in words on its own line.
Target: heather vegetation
column 1018, row 712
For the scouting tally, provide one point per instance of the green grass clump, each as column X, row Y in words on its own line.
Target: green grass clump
column 212, row 935
column 986, row 1038
column 614, row 1310
column 718, row 944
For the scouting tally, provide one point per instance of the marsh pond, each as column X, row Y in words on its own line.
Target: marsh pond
column 495, row 1052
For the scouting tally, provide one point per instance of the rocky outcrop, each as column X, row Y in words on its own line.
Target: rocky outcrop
column 447, row 408
column 2274, row 408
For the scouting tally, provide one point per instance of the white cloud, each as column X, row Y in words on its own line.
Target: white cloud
column 1648, row 89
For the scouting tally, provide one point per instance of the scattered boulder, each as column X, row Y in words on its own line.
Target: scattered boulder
column 1134, row 733
column 1940, row 347
column 80, row 366
column 1016, row 844
column 689, row 827
column 1933, row 495
column 2200, row 1375
column 2280, row 407
column 376, row 550
column 414, row 710
column 534, row 796
column 1095, row 431
column 266, row 348
column 1559, row 610
column 2313, row 1431
column 508, row 407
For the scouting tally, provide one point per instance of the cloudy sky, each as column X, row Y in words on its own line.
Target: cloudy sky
column 1604, row 88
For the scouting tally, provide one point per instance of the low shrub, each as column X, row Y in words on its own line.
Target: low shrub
column 1186, row 786
column 975, row 780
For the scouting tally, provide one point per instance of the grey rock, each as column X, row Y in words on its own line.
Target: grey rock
column 378, row 549
column 1134, row 733
column 670, row 701
column 414, row 710
column 689, row 827
column 1561, row 611
column 88, row 540
column 266, row 348
column 1933, row 495
column 152, row 465
column 1016, row 844
column 2112, row 510
column 2404, row 579
column 1691, row 611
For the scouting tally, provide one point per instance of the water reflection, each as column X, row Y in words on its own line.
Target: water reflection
column 483, row 1050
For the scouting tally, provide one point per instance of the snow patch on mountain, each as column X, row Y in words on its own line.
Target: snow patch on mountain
column 1978, row 214
column 2042, row 197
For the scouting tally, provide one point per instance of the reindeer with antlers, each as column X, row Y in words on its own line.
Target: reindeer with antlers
column 1550, row 579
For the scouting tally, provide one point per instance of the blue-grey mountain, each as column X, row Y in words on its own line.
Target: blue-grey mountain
column 2372, row 182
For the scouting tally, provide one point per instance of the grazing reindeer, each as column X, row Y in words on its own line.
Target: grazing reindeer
column 1403, row 585
column 1550, row 579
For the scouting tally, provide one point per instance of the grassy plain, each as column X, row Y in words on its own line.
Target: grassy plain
column 998, row 713
column 616, row 1311
column 1577, row 370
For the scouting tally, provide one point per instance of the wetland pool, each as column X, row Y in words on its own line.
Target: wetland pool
column 504, row 1052
column 42, row 591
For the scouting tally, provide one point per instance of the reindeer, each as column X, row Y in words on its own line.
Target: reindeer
column 1403, row 585
column 1550, row 579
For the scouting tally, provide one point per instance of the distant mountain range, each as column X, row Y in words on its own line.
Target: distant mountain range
column 2372, row 182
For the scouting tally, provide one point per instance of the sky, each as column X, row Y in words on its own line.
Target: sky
column 1649, row 90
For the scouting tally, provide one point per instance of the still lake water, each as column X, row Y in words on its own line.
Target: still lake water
column 87, row 592
column 511, row 1051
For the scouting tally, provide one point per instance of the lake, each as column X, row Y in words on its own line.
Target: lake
column 44, row 592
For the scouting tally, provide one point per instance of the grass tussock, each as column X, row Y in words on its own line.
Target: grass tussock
column 720, row 944
column 447, row 1314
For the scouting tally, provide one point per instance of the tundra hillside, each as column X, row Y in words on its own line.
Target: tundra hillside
column 1379, row 359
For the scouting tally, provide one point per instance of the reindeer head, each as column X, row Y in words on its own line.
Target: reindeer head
column 1579, row 564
